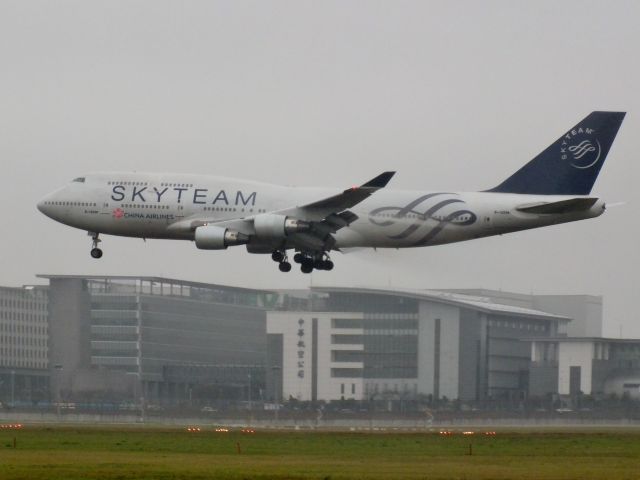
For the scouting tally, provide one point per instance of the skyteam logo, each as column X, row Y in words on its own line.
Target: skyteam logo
column 580, row 148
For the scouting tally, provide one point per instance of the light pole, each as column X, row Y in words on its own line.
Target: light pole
column 138, row 385
column 276, row 390
column 249, row 394
column 57, row 368
column 13, row 387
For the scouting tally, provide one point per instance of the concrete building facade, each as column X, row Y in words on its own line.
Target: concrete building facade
column 158, row 340
column 366, row 343
column 583, row 365
column 24, row 344
column 585, row 311
column 117, row 336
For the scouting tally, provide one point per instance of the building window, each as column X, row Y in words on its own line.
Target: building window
column 346, row 323
column 347, row 356
column 346, row 339
column 346, row 372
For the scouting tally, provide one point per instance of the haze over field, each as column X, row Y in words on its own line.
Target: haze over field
column 452, row 95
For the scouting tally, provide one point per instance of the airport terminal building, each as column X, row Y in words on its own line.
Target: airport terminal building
column 165, row 341
column 127, row 337
column 360, row 343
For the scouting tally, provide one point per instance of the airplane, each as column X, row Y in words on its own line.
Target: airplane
column 217, row 213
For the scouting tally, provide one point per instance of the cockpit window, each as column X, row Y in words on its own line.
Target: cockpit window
column 79, row 179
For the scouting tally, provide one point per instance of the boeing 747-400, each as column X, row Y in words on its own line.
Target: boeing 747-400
column 217, row 212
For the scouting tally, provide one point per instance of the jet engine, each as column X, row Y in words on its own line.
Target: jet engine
column 212, row 237
column 272, row 226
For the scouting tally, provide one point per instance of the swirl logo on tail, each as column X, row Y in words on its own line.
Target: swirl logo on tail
column 581, row 152
column 581, row 149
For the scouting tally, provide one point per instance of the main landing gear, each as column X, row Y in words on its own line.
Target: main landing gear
column 95, row 241
column 308, row 261
column 281, row 258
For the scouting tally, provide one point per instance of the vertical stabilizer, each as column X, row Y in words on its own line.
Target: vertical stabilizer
column 570, row 165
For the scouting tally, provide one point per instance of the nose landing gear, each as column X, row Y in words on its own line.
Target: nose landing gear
column 95, row 241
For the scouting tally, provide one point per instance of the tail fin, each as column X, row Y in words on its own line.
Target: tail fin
column 571, row 165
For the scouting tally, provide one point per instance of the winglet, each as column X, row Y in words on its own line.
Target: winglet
column 380, row 181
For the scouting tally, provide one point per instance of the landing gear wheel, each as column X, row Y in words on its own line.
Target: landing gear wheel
column 313, row 260
column 277, row 256
column 95, row 241
column 284, row 267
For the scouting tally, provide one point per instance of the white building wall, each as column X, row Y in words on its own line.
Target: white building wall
column 449, row 348
column 575, row 354
column 294, row 383
column 328, row 388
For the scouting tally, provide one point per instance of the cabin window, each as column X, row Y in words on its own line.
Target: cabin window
column 79, row 179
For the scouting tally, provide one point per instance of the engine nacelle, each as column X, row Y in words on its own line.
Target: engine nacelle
column 275, row 227
column 212, row 237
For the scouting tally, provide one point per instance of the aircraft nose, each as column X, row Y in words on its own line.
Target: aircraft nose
column 44, row 205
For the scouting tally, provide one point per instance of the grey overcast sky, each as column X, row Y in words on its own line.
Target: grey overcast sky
column 451, row 94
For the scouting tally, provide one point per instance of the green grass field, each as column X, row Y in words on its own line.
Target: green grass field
column 161, row 453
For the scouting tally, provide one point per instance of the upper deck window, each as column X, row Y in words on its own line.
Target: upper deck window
column 79, row 179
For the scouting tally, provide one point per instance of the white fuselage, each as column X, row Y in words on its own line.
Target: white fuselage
column 152, row 205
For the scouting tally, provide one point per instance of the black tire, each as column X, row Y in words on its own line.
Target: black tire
column 328, row 265
column 96, row 253
column 277, row 256
column 306, row 268
column 298, row 258
column 285, row 267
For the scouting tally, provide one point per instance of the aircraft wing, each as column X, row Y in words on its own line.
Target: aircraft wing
column 330, row 214
column 352, row 196
column 324, row 217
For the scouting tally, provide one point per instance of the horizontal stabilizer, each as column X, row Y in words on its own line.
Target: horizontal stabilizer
column 563, row 206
